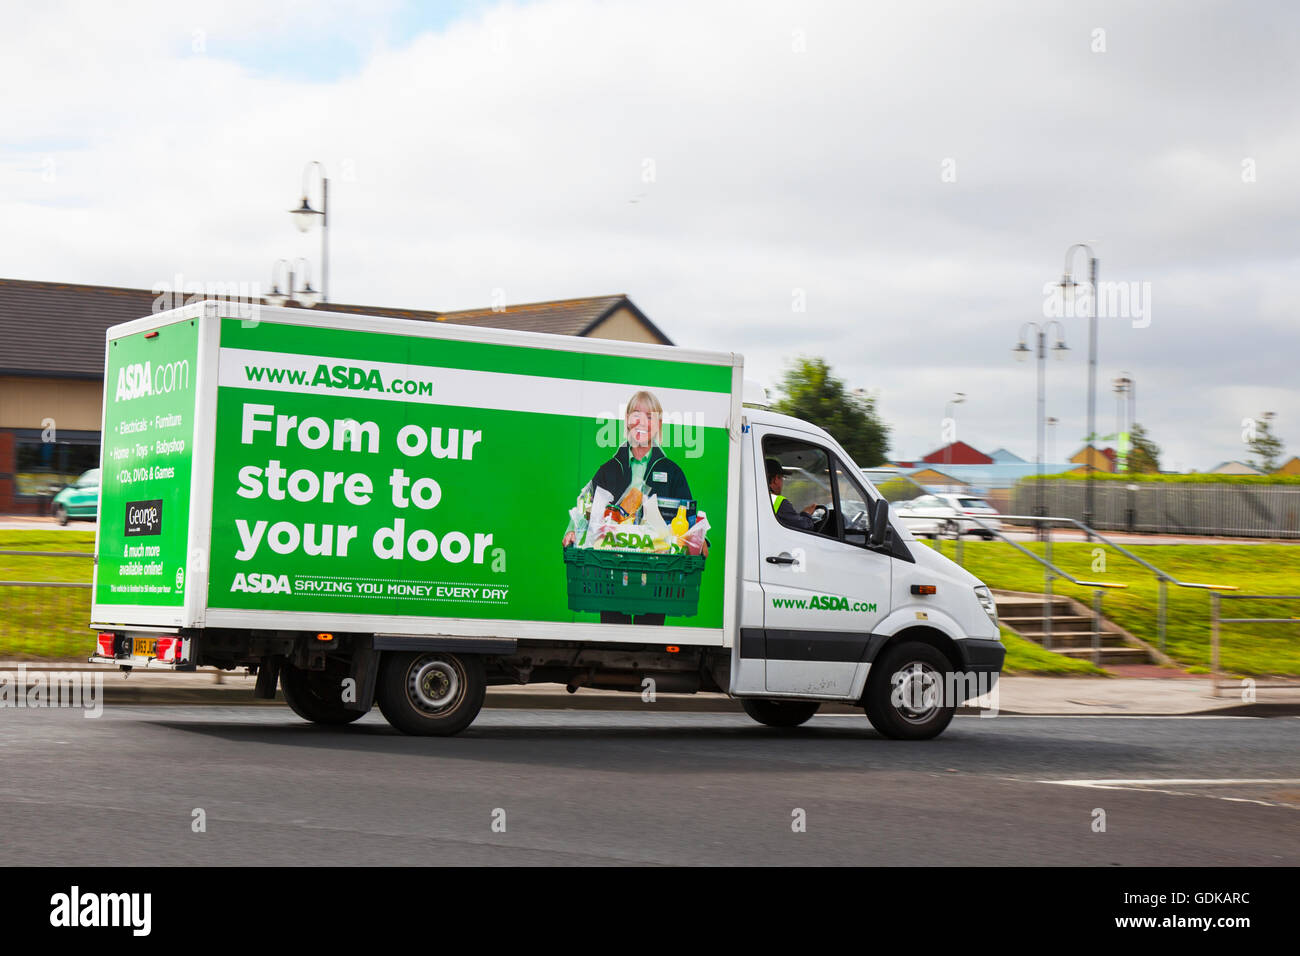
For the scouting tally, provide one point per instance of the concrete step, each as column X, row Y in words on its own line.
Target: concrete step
column 1063, row 622
column 1109, row 655
column 1062, row 639
column 1014, row 600
column 1031, row 608
column 1071, row 631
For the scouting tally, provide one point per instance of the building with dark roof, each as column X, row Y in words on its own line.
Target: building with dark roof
column 52, row 366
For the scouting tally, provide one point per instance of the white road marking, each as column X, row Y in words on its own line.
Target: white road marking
column 1177, row 782
column 1161, row 785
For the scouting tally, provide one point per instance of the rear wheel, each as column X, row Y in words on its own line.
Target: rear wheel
column 905, row 697
column 780, row 713
column 317, row 695
column 431, row 695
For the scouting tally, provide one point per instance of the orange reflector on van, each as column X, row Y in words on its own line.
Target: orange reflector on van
column 924, row 589
column 672, row 649
column 324, row 637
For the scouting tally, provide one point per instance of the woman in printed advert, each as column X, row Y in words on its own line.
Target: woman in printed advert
column 641, row 462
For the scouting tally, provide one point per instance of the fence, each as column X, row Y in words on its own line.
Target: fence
column 1044, row 527
column 1248, row 511
column 1216, row 620
column 46, row 618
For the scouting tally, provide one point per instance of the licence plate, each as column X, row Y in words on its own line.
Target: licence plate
column 144, row 647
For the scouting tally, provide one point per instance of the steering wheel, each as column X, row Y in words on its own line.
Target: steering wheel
column 819, row 516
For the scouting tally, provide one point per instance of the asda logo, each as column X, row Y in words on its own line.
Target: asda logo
column 145, row 378
column 348, row 376
column 626, row 539
column 255, row 583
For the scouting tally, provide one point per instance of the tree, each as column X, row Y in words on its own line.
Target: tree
column 1143, row 453
column 1265, row 446
column 812, row 393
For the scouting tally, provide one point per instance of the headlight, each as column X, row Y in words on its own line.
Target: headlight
column 988, row 603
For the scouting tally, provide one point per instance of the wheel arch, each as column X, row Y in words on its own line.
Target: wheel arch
column 925, row 634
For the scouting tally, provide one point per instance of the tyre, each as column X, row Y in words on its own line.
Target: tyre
column 431, row 694
column 317, row 695
column 60, row 513
column 780, row 713
column 905, row 696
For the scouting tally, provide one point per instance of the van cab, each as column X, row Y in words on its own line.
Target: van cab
column 842, row 608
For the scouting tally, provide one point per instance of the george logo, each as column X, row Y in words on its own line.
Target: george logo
column 144, row 517
column 256, row 583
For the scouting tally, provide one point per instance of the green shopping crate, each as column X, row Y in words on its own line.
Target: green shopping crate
column 633, row 582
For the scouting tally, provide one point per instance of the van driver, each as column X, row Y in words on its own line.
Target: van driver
column 785, row 512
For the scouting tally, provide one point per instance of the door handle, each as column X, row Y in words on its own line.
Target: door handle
column 780, row 559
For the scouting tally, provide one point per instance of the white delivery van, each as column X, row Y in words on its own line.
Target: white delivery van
column 369, row 510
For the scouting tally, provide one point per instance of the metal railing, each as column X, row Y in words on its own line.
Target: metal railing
column 45, row 618
column 1216, row 619
column 1050, row 573
column 1163, row 578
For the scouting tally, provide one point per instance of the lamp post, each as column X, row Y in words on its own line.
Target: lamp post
column 957, row 399
column 305, row 217
column 1067, row 285
column 1021, row 352
column 306, row 296
column 1124, row 387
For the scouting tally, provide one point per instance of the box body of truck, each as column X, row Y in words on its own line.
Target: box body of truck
column 365, row 508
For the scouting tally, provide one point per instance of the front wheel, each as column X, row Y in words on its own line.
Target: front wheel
column 431, row 695
column 780, row 713
column 316, row 695
column 905, row 697
column 61, row 514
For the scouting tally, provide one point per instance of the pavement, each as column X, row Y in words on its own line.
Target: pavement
column 1160, row 696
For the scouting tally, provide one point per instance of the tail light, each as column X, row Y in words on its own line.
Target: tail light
column 107, row 644
column 170, row 649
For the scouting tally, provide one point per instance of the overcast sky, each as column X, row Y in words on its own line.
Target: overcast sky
column 886, row 185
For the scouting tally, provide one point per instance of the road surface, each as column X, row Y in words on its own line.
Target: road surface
column 632, row 788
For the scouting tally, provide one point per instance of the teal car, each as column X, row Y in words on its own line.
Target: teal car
column 79, row 499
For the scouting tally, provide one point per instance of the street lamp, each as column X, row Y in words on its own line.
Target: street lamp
column 1067, row 286
column 306, row 296
column 1124, row 386
column 957, row 399
column 1021, row 352
column 305, row 218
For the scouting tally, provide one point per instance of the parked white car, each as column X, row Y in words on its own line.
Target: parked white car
column 944, row 514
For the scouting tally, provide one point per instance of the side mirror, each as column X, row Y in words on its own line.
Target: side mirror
column 879, row 522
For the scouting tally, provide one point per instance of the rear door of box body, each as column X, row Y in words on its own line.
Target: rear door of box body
column 151, row 384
